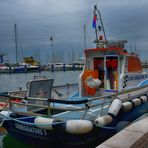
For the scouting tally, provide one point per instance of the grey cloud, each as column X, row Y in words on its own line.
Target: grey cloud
column 37, row 20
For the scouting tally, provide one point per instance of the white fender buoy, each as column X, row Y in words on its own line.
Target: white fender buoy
column 78, row 126
column 4, row 114
column 136, row 101
column 127, row 106
column 45, row 123
column 102, row 121
column 143, row 98
column 115, row 107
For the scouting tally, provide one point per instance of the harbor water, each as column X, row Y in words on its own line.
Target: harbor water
column 12, row 82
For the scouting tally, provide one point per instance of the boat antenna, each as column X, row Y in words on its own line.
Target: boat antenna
column 2, row 57
column 84, row 36
column 16, row 44
column 97, row 16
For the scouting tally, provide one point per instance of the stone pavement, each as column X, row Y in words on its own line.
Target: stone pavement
column 133, row 136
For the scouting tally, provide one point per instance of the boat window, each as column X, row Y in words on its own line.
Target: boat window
column 134, row 64
column 98, row 62
column 121, row 65
column 112, row 72
column 99, row 65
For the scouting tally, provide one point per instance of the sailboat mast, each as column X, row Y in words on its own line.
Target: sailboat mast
column 84, row 36
column 16, row 44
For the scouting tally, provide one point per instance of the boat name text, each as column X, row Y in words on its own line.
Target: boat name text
column 30, row 129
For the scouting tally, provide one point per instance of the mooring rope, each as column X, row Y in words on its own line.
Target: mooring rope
column 31, row 124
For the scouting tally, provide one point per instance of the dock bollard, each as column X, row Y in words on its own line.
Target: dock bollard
column 52, row 67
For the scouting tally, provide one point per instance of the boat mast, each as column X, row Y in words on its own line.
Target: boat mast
column 2, row 58
column 98, row 28
column 84, row 36
column 16, row 44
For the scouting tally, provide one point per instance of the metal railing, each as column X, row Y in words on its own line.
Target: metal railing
column 86, row 104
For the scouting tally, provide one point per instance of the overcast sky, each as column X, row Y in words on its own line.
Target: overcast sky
column 38, row 20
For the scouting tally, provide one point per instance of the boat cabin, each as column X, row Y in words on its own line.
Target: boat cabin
column 109, row 66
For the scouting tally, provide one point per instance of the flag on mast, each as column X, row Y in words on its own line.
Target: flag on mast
column 51, row 39
column 95, row 21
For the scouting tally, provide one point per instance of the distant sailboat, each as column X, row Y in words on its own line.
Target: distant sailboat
column 18, row 68
column 28, row 64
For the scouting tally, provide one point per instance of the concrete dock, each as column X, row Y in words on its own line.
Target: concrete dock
column 133, row 136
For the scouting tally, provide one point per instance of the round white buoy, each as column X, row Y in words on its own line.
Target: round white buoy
column 143, row 98
column 78, row 126
column 45, row 123
column 136, row 101
column 102, row 121
column 127, row 106
column 115, row 107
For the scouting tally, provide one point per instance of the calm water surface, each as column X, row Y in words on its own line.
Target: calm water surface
column 12, row 82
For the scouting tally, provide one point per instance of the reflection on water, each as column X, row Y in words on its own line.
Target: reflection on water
column 8, row 142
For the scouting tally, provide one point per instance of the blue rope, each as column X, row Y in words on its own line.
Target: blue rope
column 108, row 127
column 32, row 124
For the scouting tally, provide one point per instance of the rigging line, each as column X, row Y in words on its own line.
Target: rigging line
column 102, row 23
column 20, row 46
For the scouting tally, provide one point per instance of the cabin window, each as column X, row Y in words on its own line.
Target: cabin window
column 121, row 65
column 134, row 64
column 98, row 62
column 99, row 65
column 111, row 72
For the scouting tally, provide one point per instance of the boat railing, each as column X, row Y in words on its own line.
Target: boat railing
column 68, row 89
column 79, row 104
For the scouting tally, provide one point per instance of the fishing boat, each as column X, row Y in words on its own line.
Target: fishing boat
column 112, row 93
column 4, row 68
column 4, row 64
column 64, row 67
column 20, row 69
column 28, row 65
column 57, row 67
column 31, row 64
